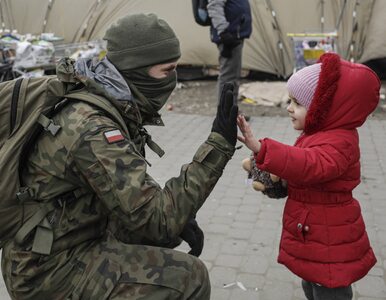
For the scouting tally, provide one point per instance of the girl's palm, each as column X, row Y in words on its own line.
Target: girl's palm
column 247, row 136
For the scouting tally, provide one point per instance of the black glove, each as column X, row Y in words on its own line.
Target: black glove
column 229, row 39
column 193, row 235
column 225, row 122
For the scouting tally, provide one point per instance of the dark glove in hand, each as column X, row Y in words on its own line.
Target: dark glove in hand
column 229, row 39
column 225, row 122
column 193, row 235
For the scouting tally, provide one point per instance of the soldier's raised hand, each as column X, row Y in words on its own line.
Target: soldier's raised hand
column 225, row 122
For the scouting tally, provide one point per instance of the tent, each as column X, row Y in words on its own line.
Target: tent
column 358, row 24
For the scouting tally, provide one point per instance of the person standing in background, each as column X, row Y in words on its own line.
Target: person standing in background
column 231, row 24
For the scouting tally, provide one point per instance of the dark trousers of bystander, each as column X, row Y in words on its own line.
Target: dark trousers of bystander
column 230, row 68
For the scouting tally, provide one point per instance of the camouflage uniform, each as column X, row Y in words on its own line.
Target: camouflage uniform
column 111, row 195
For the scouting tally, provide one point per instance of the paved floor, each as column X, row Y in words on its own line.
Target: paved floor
column 242, row 227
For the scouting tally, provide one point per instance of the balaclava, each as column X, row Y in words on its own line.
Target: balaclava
column 302, row 84
column 134, row 44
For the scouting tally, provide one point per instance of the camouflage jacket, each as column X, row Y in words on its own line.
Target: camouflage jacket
column 92, row 177
column 108, row 180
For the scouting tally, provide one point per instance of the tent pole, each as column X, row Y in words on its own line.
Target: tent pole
column 263, row 33
column 81, row 32
column 340, row 15
column 280, row 43
column 322, row 16
column 2, row 15
column 95, row 22
column 350, row 53
column 9, row 13
column 49, row 6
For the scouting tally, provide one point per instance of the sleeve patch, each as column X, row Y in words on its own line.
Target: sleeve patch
column 113, row 136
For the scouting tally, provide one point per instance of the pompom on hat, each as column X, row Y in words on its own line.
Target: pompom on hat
column 141, row 40
column 302, row 84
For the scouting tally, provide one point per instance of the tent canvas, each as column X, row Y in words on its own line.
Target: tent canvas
column 359, row 26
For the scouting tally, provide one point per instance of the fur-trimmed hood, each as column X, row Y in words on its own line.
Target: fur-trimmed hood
column 345, row 95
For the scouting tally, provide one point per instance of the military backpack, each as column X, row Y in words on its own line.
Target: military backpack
column 27, row 106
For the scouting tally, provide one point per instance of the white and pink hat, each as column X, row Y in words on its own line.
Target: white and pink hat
column 302, row 84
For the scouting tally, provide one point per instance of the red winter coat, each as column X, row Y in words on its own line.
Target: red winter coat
column 324, row 238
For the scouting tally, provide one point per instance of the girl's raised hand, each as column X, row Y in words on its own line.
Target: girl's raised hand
column 247, row 136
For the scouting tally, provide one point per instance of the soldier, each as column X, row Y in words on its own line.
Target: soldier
column 106, row 218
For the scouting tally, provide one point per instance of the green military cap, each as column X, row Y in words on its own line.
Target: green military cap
column 140, row 40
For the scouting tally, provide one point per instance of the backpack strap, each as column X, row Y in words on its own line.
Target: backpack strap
column 44, row 235
column 48, row 124
column 151, row 144
column 14, row 102
column 105, row 105
column 100, row 102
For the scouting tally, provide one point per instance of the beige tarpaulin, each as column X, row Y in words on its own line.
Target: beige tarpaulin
column 360, row 34
column 375, row 42
column 268, row 93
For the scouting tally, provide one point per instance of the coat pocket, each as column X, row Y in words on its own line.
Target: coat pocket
column 26, row 268
column 302, row 227
column 97, row 280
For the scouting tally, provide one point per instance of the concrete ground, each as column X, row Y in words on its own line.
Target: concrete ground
column 200, row 97
column 242, row 227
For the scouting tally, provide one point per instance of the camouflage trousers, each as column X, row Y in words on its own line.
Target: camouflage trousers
column 112, row 270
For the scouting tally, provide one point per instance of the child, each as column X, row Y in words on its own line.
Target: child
column 323, row 240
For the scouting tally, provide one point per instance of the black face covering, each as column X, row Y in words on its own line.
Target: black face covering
column 151, row 93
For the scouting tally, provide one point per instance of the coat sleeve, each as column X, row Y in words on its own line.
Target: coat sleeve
column 319, row 163
column 117, row 173
column 217, row 14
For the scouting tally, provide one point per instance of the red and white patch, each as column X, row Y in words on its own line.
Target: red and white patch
column 113, row 136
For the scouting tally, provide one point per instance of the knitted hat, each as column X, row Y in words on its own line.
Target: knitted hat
column 141, row 40
column 302, row 84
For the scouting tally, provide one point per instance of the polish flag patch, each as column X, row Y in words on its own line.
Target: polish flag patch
column 113, row 136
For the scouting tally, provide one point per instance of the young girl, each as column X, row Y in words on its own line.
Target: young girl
column 323, row 240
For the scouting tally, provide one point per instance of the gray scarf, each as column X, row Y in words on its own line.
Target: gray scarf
column 105, row 74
